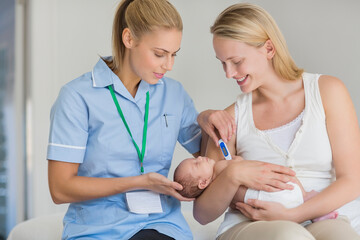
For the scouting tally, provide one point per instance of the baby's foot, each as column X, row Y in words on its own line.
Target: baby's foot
column 332, row 215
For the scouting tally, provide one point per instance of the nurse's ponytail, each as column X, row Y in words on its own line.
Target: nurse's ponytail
column 140, row 16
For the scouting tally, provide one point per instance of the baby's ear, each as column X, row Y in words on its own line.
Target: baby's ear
column 203, row 183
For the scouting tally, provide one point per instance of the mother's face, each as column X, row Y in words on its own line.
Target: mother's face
column 242, row 62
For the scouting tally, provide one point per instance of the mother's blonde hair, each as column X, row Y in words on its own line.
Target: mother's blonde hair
column 252, row 25
column 141, row 17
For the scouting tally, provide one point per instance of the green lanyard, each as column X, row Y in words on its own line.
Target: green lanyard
column 142, row 153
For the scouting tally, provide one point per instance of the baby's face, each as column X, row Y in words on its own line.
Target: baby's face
column 198, row 168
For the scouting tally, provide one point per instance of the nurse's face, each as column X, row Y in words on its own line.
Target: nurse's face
column 153, row 55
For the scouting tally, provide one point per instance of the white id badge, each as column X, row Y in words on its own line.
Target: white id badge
column 144, row 202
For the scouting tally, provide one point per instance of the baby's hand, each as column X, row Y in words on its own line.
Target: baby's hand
column 310, row 194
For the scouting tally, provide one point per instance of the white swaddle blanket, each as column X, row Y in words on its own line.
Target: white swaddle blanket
column 288, row 198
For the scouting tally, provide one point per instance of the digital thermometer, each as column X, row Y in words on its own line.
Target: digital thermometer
column 224, row 150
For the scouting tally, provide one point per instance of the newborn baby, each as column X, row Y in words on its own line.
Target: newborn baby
column 195, row 174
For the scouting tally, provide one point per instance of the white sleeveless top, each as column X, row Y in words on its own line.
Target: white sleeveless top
column 309, row 154
column 284, row 135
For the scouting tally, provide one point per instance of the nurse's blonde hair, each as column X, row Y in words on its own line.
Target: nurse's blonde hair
column 252, row 25
column 140, row 16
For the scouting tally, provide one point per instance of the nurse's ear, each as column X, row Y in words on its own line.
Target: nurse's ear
column 128, row 38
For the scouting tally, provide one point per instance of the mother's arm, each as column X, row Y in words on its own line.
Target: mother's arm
column 344, row 135
column 258, row 175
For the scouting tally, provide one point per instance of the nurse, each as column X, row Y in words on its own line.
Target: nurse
column 114, row 130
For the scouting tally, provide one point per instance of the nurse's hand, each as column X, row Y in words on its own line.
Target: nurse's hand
column 158, row 183
column 212, row 121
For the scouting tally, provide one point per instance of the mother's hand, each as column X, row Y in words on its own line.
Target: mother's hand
column 260, row 175
column 159, row 183
column 262, row 210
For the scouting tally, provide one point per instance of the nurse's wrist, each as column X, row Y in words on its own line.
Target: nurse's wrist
column 142, row 181
column 147, row 180
column 125, row 184
column 155, row 181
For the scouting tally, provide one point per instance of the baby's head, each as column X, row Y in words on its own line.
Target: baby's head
column 194, row 174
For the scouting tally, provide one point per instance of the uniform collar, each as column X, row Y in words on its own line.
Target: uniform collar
column 102, row 76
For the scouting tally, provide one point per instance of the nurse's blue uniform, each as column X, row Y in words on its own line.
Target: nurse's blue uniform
column 86, row 129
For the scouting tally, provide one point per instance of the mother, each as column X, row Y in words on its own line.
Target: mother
column 285, row 116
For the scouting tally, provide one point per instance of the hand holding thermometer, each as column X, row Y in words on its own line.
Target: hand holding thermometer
column 224, row 150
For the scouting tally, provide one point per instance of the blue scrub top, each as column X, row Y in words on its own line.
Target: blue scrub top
column 87, row 129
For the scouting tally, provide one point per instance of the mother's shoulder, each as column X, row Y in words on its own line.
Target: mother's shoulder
column 231, row 109
column 330, row 85
column 332, row 90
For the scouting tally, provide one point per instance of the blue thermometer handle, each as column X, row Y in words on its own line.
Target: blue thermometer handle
column 224, row 150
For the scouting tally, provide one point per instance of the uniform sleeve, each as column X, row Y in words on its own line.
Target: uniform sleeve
column 68, row 127
column 190, row 131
